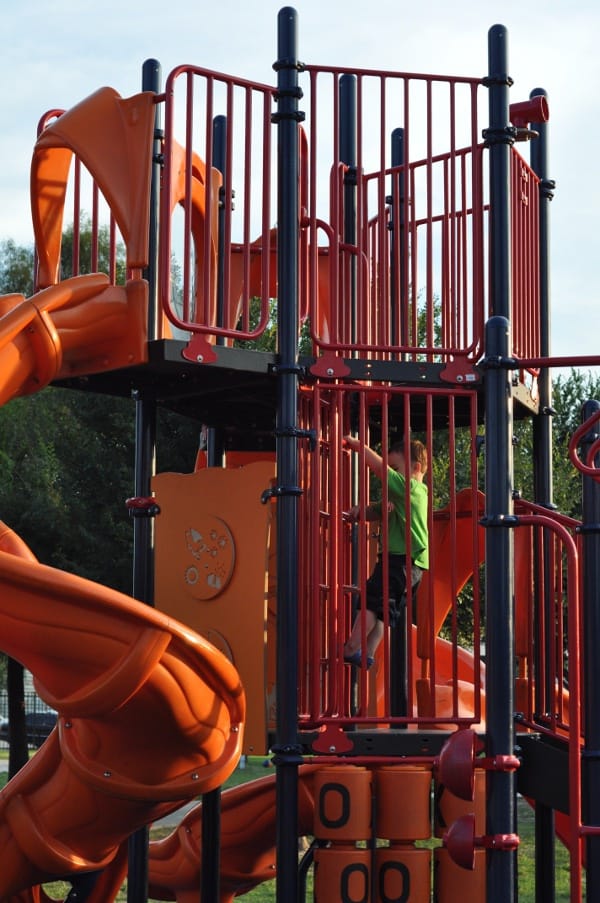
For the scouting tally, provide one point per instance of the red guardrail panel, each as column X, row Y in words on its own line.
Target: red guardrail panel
column 396, row 249
column 336, row 558
column 217, row 204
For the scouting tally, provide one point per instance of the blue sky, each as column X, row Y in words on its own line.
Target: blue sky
column 57, row 53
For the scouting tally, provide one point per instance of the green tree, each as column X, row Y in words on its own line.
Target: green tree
column 16, row 268
column 91, row 249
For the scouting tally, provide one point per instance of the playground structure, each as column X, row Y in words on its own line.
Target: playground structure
column 405, row 238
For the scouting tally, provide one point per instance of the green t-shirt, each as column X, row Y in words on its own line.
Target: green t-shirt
column 419, row 535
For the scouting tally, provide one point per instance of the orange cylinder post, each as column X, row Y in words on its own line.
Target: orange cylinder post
column 343, row 804
column 454, row 883
column 342, row 875
column 403, row 802
column 403, row 873
column 448, row 807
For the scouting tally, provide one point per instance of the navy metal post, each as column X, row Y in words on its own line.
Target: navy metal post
column 499, row 579
column 151, row 81
column 591, row 673
column 399, row 632
column 545, row 889
column 348, row 155
column 214, row 437
column 499, row 619
column 210, row 878
column 145, row 466
column 542, row 425
column 287, row 753
column 220, row 163
column 399, row 310
column 348, row 149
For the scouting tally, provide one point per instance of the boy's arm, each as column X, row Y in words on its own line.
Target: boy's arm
column 374, row 461
column 372, row 513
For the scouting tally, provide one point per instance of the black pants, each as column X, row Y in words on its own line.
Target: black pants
column 397, row 582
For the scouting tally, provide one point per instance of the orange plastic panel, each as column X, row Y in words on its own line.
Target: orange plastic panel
column 212, row 540
column 112, row 137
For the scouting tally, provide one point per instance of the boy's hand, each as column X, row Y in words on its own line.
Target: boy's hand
column 354, row 513
column 351, row 442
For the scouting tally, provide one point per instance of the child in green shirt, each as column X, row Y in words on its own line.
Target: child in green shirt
column 396, row 543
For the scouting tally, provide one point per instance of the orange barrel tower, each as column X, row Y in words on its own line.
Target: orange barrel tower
column 403, row 795
column 343, row 817
column 451, row 879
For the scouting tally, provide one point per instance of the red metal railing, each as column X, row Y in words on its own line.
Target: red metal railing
column 550, row 688
column 402, row 268
column 222, row 240
column 445, row 680
column 393, row 243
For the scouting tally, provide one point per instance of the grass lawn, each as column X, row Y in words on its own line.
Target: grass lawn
column 265, row 893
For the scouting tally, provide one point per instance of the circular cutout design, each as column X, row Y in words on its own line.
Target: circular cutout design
column 211, row 552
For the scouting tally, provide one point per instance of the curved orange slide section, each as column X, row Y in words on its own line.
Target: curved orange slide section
column 81, row 325
column 125, row 680
column 247, row 842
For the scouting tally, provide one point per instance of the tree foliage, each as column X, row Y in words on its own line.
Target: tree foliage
column 16, row 268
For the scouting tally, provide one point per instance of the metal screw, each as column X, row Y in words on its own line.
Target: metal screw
column 200, row 358
column 108, row 774
column 330, row 371
column 195, row 776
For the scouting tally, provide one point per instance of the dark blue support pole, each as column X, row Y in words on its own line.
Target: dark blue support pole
column 545, row 868
column 348, row 155
column 399, row 632
column 499, row 137
column 215, row 449
column 399, row 310
column 287, row 752
column 542, row 427
column 499, row 580
column 220, row 163
column 143, row 590
column 347, row 134
column 210, row 876
column 151, row 81
column 347, row 138
column 591, row 631
column 145, row 465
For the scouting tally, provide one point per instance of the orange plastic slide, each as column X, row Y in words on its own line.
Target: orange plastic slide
column 124, row 679
column 247, row 842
